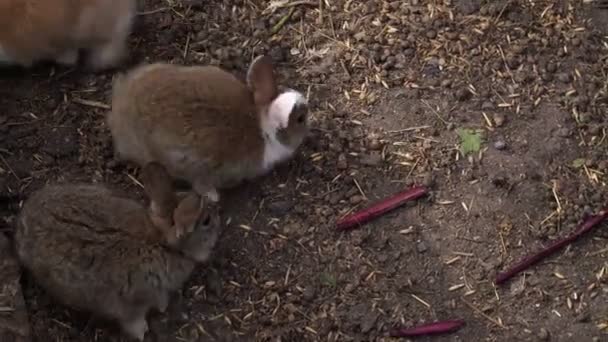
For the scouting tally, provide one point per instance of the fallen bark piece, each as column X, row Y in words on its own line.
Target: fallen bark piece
column 440, row 327
column 14, row 323
column 381, row 207
column 530, row 260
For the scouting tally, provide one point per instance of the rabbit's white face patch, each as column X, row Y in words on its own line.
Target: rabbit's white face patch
column 278, row 118
column 282, row 106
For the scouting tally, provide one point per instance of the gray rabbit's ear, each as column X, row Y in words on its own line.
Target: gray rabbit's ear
column 187, row 214
column 159, row 189
column 261, row 80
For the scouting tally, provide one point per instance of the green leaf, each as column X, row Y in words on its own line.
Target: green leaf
column 328, row 280
column 578, row 163
column 470, row 140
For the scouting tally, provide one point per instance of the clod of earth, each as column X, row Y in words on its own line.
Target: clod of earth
column 440, row 327
column 528, row 261
column 381, row 208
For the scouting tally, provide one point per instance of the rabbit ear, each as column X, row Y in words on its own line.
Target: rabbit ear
column 187, row 214
column 158, row 187
column 261, row 80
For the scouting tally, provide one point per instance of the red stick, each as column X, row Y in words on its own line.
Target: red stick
column 440, row 327
column 381, row 207
column 528, row 261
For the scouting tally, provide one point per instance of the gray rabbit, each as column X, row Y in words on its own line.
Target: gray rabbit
column 98, row 251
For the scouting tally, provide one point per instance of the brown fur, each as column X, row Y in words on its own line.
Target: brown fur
column 202, row 114
column 36, row 30
column 96, row 250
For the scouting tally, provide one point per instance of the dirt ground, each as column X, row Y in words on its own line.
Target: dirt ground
column 391, row 84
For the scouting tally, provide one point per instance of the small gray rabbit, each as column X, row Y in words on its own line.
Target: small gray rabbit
column 205, row 125
column 32, row 31
column 97, row 251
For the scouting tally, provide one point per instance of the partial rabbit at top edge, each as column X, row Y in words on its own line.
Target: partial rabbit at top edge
column 33, row 31
column 98, row 251
column 205, row 125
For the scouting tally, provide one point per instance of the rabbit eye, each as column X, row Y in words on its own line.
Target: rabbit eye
column 301, row 118
column 207, row 220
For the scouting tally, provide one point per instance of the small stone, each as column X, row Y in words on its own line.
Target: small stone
column 500, row 145
column 280, row 207
column 368, row 322
column 564, row 78
column 428, row 179
column 372, row 159
column 487, row 105
column 421, row 247
column 309, row 294
column 446, row 83
column 563, row 132
column 360, row 36
column 551, row 67
column 499, row 119
column 61, row 142
column 463, row 94
column 431, row 34
column 576, row 41
column 543, row 334
column 356, row 199
column 452, row 35
column 374, row 144
column 342, row 162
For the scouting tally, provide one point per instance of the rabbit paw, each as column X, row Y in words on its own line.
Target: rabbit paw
column 137, row 328
column 208, row 191
column 213, row 195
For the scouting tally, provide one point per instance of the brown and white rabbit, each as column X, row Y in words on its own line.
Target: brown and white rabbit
column 100, row 252
column 32, row 31
column 205, row 125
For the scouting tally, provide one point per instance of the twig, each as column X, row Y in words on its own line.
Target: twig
column 278, row 26
column 91, row 103
column 158, row 10
column 483, row 314
column 10, row 168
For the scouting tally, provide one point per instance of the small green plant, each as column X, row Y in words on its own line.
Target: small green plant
column 470, row 140
column 578, row 163
column 328, row 280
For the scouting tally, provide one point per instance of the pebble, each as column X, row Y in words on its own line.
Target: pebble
column 499, row 119
column 356, row 199
column 342, row 162
column 487, row 105
column 463, row 94
column 543, row 334
column 427, row 179
column 563, row 132
column 368, row 322
column 500, row 145
column 372, row 159
column 375, row 144
column 280, row 207
column 563, row 77
column 309, row 294
column 421, row 247
column 431, row 34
